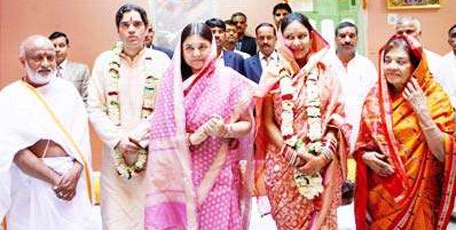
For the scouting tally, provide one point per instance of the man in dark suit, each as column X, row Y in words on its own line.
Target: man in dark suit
column 266, row 39
column 77, row 73
column 245, row 43
column 149, row 42
column 224, row 57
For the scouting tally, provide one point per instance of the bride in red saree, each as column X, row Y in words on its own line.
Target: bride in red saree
column 301, row 144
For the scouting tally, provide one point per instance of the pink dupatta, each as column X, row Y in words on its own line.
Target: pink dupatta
column 174, row 193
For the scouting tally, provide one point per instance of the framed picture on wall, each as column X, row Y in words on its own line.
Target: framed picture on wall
column 413, row 4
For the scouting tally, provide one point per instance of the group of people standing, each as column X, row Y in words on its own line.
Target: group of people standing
column 189, row 141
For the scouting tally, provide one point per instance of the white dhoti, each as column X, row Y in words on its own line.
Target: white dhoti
column 36, row 206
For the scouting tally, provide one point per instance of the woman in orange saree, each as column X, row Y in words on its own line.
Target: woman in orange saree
column 405, row 151
column 301, row 135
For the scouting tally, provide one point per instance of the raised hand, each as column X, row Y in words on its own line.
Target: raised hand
column 415, row 96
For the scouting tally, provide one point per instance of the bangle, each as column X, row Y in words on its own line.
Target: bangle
column 229, row 133
column 293, row 158
column 326, row 152
column 187, row 137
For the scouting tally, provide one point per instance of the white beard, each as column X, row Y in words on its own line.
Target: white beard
column 36, row 77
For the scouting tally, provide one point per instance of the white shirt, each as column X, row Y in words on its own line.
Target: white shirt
column 450, row 59
column 266, row 61
column 357, row 78
column 443, row 74
column 61, row 67
column 244, row 55
column 220, row 61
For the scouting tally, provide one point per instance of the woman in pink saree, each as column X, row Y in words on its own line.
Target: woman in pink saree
column 201, row 140
column 301, row 143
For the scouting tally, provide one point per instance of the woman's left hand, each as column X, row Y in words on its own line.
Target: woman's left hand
column 313, row 163
column 415, row 96
column 215, row 127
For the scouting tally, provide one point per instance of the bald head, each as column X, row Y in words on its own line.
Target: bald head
column 37, row 54
column 410, row 26
column 35, row 42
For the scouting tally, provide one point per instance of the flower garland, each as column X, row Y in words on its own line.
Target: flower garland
column 113, row 107
column 309, row 186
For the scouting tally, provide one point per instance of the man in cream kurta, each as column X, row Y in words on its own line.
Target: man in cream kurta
column 45, row 171
column 356, row 73
column 122, row 199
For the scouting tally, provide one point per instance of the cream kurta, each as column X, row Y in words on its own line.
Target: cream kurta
column 122, row 200
column 357, row 78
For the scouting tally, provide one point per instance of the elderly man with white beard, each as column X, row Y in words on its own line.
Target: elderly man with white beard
column 45, row 172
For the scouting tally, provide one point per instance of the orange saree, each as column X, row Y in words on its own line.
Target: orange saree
column 420, row 193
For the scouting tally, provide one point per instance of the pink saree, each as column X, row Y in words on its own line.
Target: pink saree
column 201, row 187
column 274, row 174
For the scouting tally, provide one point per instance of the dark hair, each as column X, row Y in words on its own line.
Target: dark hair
column 131, row 7
column 296, row 17
column 401, row 43
column 229, row 22
column 238, row 14
column 58, row 34
column 343, row 25
column 281, row 6
column 216, row 22
column 266, row 24
column 200, row 29
column 449, row 31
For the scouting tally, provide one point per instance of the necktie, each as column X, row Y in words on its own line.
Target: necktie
column 59, row 71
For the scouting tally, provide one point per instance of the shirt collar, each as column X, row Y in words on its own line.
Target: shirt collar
column 64, row 64
column 272, row 56
column 136, row 58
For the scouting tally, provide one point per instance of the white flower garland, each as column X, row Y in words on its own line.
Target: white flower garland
column 113, row 108
column 309, row 186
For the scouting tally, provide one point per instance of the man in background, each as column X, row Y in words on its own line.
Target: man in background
column 231, row 39
column 450, row 57
column 149, row 42
column 443, row 74
column 77, row 73
column 267, row 55
column 224, row 57
column 279, row 12
column 245, row 43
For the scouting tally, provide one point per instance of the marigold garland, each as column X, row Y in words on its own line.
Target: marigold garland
column 309, row 186
column 113, row 107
